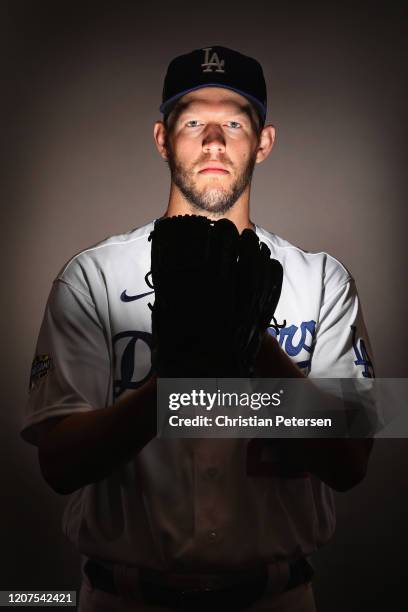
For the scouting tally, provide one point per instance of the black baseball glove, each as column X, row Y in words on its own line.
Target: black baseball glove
column 215, row 294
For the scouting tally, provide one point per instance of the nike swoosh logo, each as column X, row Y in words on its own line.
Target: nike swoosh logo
column 131, row 298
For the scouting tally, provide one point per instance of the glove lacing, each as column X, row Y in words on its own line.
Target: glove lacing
column 149, row 284
column 277, row 326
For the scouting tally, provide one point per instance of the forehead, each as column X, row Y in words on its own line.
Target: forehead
column 213, row 98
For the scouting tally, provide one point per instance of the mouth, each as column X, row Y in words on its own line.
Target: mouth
column 213, row 171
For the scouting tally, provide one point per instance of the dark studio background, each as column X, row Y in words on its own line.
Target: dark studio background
column 81, row 93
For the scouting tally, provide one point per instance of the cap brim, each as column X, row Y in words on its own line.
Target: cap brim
column 166, row 106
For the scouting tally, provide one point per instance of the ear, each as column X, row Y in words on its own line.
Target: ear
column 266, row 141
column 159, row 135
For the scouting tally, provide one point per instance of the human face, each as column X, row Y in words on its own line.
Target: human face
column 211, row 148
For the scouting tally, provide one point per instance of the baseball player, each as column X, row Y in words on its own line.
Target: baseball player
column 180, row 524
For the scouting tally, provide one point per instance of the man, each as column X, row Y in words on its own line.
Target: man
column 180, row 524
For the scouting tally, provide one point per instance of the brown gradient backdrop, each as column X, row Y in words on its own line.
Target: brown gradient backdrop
column 83, row 86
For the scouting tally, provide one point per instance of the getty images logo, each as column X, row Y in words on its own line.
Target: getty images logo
column 212, row 62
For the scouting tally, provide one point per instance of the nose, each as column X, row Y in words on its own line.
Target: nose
column 213, row 139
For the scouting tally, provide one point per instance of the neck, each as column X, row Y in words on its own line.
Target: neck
column 238, row 213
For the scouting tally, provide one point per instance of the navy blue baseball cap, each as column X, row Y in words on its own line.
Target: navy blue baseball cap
column 215, row 67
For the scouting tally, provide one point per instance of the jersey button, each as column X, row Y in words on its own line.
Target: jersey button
column 213, row 536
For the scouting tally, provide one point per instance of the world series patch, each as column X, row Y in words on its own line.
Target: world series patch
column 42, row 364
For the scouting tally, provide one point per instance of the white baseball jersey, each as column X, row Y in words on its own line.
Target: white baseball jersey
column 185, row 502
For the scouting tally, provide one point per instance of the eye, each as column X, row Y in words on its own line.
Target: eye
column 234, row 124
column 193, row 123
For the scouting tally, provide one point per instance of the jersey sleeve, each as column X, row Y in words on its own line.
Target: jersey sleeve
column 342, row 348
column 343, row 351
column 71, row 367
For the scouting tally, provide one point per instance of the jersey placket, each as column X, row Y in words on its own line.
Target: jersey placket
column 212, row 509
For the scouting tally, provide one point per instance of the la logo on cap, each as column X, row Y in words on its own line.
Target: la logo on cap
column 212, row 62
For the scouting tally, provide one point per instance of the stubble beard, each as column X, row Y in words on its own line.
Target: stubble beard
column 211, row 199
